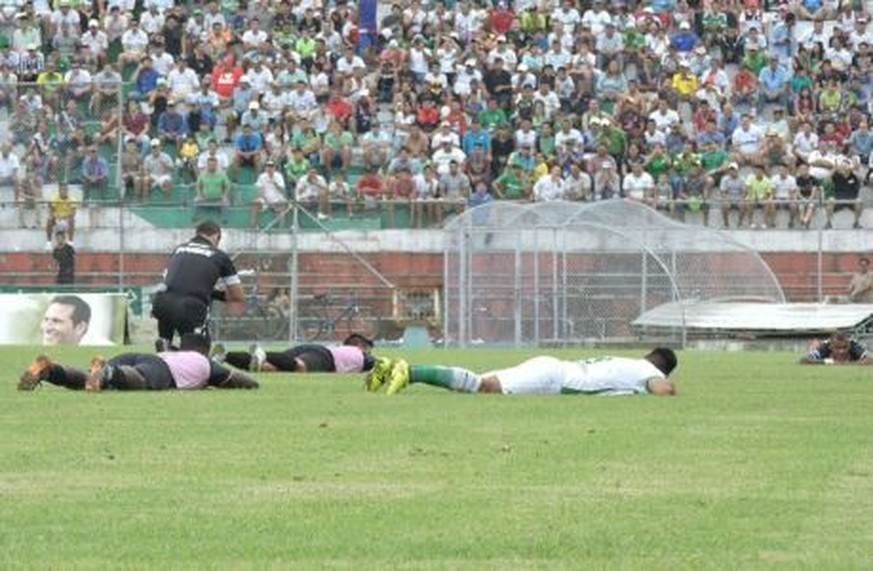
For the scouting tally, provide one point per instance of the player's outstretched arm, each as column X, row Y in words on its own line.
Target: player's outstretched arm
column 661, row 387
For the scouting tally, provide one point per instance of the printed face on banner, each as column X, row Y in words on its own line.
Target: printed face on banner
column 59, row 326
column 62, row 319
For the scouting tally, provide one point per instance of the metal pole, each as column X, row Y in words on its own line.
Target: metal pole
column 119, row 177
column 819, row 261
column 294, row 288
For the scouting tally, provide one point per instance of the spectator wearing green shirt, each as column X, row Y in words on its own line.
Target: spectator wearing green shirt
column 309, row 141
column 759, row 189
column 212, row 189
column 755, row 60
column 304, row 46
column 296, row 166
column 512, row 184
column 337, row 150
column 492, row 115
column 714, row 161
column 612, row 137
column 658, row 162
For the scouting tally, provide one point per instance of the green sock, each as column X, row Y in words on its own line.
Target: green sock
column 451, row 378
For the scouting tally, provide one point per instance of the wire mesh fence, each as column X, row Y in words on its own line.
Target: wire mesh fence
column 565, row 274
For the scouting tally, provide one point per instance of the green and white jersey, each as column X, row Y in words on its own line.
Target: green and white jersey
column 610, row 376
column 602, row 376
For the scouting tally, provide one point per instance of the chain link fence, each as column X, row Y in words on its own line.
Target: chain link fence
column 565, row 274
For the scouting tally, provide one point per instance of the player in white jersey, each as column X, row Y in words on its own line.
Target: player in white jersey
column 543, row 376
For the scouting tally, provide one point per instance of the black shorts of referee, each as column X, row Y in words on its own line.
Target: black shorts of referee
column 180, row 314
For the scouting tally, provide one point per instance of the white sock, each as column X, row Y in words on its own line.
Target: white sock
column 465, row 381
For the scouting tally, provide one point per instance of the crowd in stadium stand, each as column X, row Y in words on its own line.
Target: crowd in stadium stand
column 734, row 109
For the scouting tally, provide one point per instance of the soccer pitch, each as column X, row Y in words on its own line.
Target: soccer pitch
column 758, row 463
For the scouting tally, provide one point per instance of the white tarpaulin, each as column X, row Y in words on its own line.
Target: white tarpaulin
column 757, row 317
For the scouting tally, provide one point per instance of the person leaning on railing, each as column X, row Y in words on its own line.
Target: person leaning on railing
column 62, row 214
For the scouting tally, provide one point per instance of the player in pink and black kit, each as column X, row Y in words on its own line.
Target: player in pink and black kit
column 353, row 356
column 186, row 369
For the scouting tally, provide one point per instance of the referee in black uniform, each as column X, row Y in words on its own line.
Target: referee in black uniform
column 194, row 271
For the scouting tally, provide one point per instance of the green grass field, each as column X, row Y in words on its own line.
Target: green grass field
column 759, row 463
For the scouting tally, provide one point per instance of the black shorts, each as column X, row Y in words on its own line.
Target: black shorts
column 845, row 202
column 317, row 358
column 179, row 313
column 153, row 369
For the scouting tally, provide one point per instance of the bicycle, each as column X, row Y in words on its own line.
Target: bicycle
column 323, row 324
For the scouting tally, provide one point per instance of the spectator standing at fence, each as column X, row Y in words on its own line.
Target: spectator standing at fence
column 213, row 186
column 10, row 172
column 157, row 173
column 271, row 195
column 62, row 214
column 29, row 200
column 64, row 259
column 95, row 177
column 312, row 192
column 846, row 194
column 785, row 196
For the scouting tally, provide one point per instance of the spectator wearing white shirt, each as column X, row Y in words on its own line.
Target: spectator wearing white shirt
column 275, row 101
column 504, row 52
column 96, row 41
column 549, row 187
column 162, row 60
column 10, row 173
column 312, row 190
column 638, row 185
column 568, row 15
column 376, row 146
column 302, row 103
column 464, row 76
column 596, row 18
column 213, row 151
column 525, row 136
column 445, row 155
column 548, row 98
column 805, row 142
column 182, row 80
column 746, row 142
column 567, row 133
column 578, row 184
column 77, row 81
column 115, row 24
column 65, row 16
column 347, row 64
column 785, row 196
column 444, row 134
column 260, row 76
column 664, row 117
column 213, row 16
column 271, row 194
column 255, row 38
column 152, row 21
